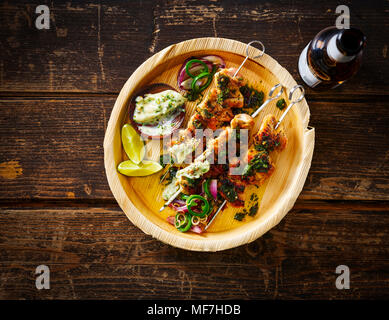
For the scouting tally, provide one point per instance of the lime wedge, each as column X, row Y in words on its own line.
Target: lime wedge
column 145, row 168
column 133, row 144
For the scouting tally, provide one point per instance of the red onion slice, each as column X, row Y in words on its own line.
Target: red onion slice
column 217, row 61
column 213, row 188
column 183, row 208
column 196, row 229
column 171, row 220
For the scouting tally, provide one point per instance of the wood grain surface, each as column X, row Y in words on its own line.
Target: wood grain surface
column 57, row 89
column 95, row 253
column 43, row 138
column 95, row 46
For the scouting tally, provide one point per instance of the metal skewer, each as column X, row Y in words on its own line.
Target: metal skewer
column 292, row 102
column 256, row 112
column 301, row 97
column 236, row 72
column 247, row 55
column 166, row 172
column 216, row 213
column 170, row 200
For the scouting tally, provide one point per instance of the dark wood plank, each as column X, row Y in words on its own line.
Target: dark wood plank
column 98, row 253
column 351, row 156
column 79, row 51
column 53, row 149
column 95, row 47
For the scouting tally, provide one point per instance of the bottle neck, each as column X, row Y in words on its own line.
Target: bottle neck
column 334, row 53
column 346, row 44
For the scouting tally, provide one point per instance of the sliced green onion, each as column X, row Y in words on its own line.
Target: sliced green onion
column 189, row 64
column 191, row 202
column 204, row 220
column 194, row 85
column 180, row 219
column 187, row 226
column 184, row 196
column 206, row 189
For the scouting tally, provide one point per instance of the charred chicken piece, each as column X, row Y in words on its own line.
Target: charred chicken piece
column 268, row 138
column 216, row 109
column 259, row 166
column 201, row 168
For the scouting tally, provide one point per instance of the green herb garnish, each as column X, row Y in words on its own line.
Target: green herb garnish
column 239, row 216
column 228, row 189
column 281, row 104
column 260, row 163
column 252, row 98
column 253, row 210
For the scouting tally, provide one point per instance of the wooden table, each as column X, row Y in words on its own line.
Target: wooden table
column 57, row 89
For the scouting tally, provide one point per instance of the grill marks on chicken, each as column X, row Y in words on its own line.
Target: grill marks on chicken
column 216, row 109
column 268, row 138
column 259, row 166
column 188, row 177
column 214, row 112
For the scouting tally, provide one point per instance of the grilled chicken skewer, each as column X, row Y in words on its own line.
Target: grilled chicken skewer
column 201, row 167
column 217, row 109
column 212, row 113
column 266, row 141
column 259, row 166
column 201, row 164
column 256, row 166
column 185, row 147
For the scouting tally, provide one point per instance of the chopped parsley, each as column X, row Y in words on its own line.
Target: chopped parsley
column 253, row 210
column 197, row 124
column 281, row 104
column 224, row 90
column 193, row 95
column 268, row 143
column 254, row 197
column 228, row 190
column 260, row 163
column 207, row 114
column 252, row 98
column 239, row 216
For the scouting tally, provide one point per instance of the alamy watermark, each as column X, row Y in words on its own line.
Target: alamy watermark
column 42, row 281
column 230, row 147
column 343, row 20
column 43, row 20
column 343, row 280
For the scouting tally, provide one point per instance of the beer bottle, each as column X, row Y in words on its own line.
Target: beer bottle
column 333, row 56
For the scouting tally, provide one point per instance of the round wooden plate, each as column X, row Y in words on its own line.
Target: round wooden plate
column 141, row 197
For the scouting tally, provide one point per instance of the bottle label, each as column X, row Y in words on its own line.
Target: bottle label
column 305, row 71
column 334, row 53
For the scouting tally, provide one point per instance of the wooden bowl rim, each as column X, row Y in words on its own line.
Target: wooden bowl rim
column 285, row 202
